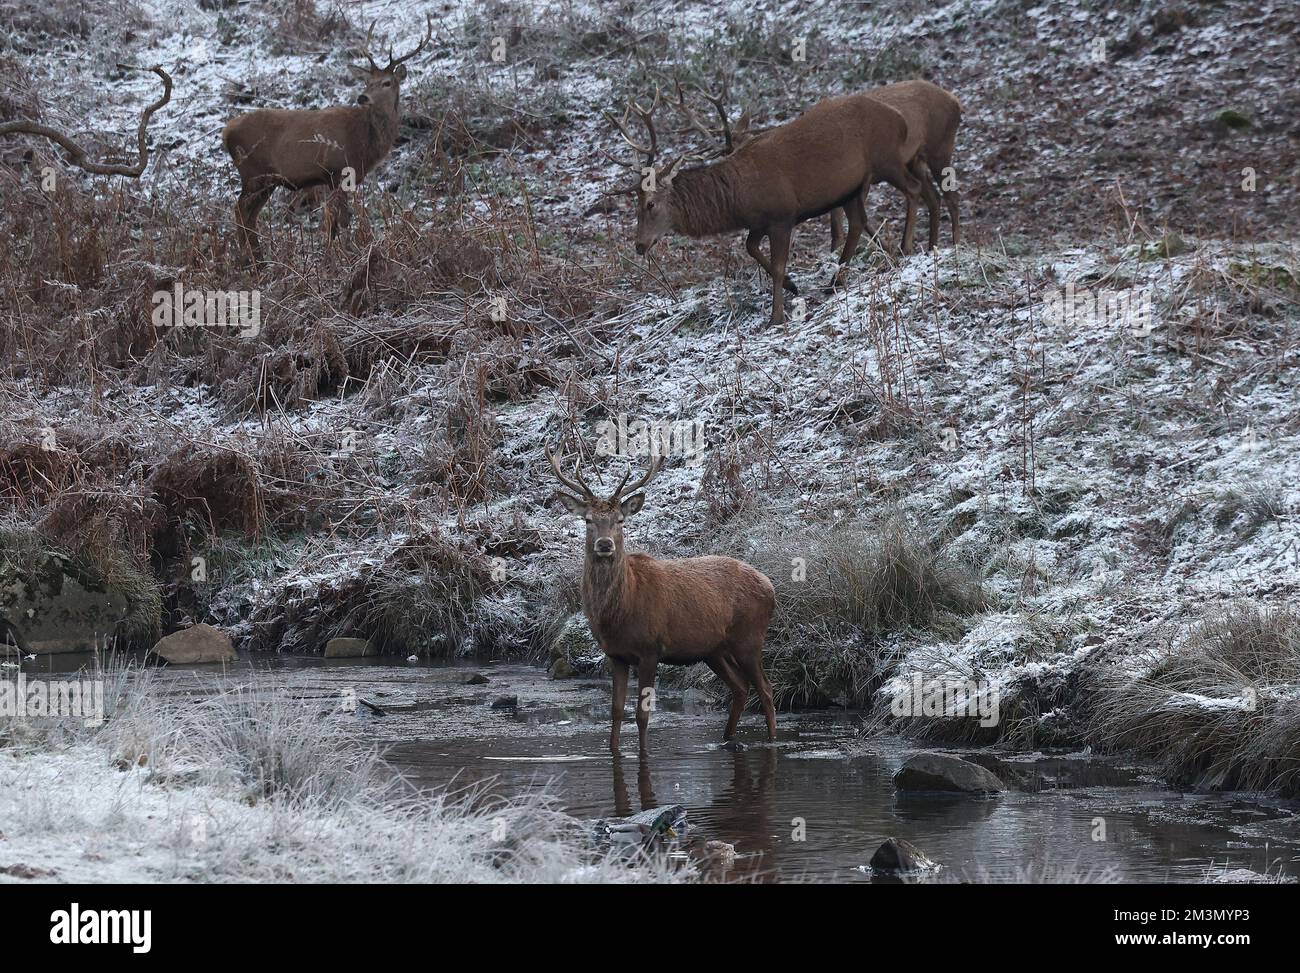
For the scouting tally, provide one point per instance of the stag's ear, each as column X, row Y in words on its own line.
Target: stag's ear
column 399, row 73
column 632, row 504
column 361, row 72
column 575, row 505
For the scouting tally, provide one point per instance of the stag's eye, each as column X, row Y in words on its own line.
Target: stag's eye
column 388, row 84
column 649, row 206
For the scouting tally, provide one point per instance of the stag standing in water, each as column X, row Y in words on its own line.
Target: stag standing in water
column 644, row 611
column 329, row 147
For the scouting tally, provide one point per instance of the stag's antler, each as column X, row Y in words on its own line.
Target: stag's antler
column 656, row 464
column 428, row 36
column 647, row 117
column 78, row 153
column 394, row 62
column 730, row 136
column 576, row 485
column 365, row 48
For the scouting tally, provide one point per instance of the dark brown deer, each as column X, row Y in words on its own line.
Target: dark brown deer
column 334, row 148
column 644, row 611
column 827, row 157
column 738, row 133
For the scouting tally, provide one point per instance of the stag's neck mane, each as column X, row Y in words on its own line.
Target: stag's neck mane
column 704, row 200
column 382, row 131
column 608, row 586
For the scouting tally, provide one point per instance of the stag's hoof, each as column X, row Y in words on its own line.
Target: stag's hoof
column 788, row 284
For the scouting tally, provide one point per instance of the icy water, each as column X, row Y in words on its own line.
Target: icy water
column 812, row 807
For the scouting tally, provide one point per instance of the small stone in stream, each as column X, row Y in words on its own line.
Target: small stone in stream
column 940, row 772
column 735, row 746
column 412, row 658
column 719, row 854
column 897, row 856
column 506, row 702
column 478, row 679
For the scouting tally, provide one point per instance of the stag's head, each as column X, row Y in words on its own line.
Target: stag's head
column 381, row 86
column 655, row 197
column 654, row 185
column 604, row 517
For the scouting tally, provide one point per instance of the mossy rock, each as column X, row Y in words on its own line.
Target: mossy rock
column 50, row 605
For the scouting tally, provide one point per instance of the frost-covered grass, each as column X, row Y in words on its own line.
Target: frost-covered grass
column 1220, row 708
column 244, row 786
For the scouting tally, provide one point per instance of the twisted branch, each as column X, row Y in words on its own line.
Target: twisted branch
column 78, row 154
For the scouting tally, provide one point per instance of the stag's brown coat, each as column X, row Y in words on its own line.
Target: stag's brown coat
column 932, row 116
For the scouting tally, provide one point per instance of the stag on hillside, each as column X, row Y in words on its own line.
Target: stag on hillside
column 334, row 148
column 644, row 611
column 827, row 157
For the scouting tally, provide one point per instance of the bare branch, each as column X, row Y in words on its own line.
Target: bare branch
column 78, row 154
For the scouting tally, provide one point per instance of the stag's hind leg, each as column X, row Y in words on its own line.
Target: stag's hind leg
column 645, row 702
column 779, row 237
column 729, row 674
column 943, row 172
column 922, row 174
column 837, row 229
column 752, row 667
column 855, row 209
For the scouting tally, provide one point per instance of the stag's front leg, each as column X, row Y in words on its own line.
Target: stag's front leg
column 780, row 243
column 752, row 246
column 645, row 703
column 620, row 670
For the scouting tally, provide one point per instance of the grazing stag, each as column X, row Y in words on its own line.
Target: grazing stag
column 334, row 148
column 644, row 611
column 734, row 135
column 827, row 157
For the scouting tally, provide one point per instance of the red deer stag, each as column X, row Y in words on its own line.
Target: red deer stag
column 734, row 135
column 827, row 157
column 644, row 611
column 327, row 147
column 932, row 116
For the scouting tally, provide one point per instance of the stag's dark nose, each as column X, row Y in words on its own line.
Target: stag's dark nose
column 604, row 546
column 363, row 99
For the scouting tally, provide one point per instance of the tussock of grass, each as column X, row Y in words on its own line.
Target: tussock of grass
column 26, row 553
column 840, row 591
column 1222, row 709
